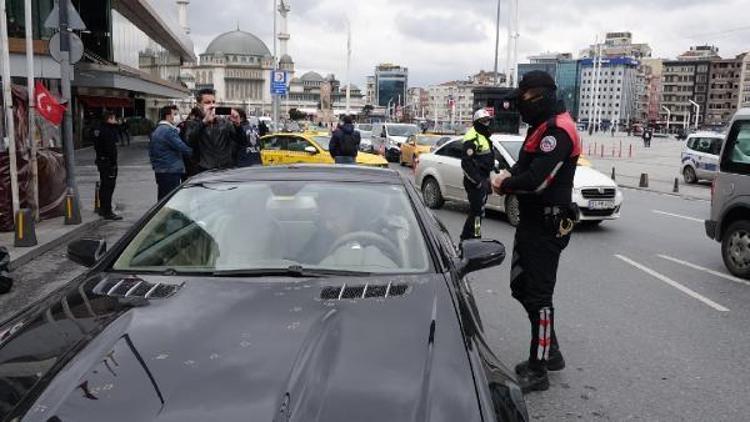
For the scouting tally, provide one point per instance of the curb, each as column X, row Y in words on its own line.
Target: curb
column 34, row 253
column 676, row 195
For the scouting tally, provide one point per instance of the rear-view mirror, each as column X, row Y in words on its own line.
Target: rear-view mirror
column 87, row 252
column 478, row 254
column 311, row 150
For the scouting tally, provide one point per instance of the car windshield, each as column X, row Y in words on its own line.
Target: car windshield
column 323, row 141
column 402, row 130
column 427, row 140
column 252, row 226
column 513, row 148
column 366, row 128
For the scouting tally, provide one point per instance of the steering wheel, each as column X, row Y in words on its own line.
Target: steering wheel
column 369, row 238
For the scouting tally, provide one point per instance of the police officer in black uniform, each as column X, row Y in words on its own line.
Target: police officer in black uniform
column 105, row 145
column 477, row 161
column 542, row 179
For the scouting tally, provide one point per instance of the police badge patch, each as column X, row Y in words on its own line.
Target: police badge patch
column 469, row 152
column 548, row 144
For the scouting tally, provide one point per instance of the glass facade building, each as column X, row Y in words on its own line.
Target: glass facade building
column 391, row 84
column 568, row 79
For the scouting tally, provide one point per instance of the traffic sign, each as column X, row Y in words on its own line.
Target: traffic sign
column 76, row 48
column 74, row 19
column 278, row 82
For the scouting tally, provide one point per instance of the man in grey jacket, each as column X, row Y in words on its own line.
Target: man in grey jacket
column 166, row 151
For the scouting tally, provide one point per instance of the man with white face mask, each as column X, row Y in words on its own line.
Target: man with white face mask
column 477, row 162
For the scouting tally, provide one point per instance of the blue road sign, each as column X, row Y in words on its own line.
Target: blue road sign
column 278, row 82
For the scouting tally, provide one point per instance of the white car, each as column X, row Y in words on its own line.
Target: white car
column 700, row 156
column 440, row 178
column 365, row 133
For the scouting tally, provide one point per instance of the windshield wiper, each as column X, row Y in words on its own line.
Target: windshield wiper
column 291, row 271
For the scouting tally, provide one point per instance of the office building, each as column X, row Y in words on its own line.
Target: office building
column 618, row 44
column 391, row 83
column 684, row 81
column 723, row 90
column 743, row 91
column 568, row 79
column 609, row 96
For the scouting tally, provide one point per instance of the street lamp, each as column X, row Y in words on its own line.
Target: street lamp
column 388, row 108
column 669, row 114
column 697, row 112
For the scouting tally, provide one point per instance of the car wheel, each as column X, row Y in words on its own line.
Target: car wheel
column 689, row 175
column 433, row 198
column 512, row 210
column 735, row 248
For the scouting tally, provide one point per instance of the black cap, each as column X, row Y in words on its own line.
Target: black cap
column 533, row 79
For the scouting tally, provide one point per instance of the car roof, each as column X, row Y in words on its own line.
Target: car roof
column 301, row 172
column 743, row 113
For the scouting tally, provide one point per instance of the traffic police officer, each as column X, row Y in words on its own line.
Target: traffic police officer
column 542, row 180
column 477, row 162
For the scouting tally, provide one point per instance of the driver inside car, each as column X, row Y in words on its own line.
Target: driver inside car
column 342, row 242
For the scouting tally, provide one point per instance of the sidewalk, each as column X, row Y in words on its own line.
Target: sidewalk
column 134, row 194
column 629, row 158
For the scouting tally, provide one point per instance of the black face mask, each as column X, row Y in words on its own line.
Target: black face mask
column 536, row 112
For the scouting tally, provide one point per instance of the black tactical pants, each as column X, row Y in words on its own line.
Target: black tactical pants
column 107, row 179
column 536, row 254
column 477, row 199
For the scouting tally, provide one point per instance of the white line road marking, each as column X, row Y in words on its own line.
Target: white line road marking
column 712, row 272
column 684, row 217
column 674, row 284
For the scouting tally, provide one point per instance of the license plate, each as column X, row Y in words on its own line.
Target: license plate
column 601, row 205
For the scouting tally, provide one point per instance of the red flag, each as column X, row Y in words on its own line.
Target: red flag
column 47, row 106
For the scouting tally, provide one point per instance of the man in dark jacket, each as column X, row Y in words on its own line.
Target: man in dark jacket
column 166, row 151
column 262, row 129
column 105, row 145
column 249, row 151
column 214, row 140
column 344, row 143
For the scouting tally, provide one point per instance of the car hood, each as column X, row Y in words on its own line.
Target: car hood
column 399, row 139
column 239, row 350
column 587, row 177
column 368, row 159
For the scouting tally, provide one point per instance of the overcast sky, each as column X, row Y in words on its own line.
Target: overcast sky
column 441, row 40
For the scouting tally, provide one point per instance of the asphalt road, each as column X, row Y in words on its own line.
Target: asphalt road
column 651, row 325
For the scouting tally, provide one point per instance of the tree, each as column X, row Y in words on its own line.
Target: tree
column 295, row 114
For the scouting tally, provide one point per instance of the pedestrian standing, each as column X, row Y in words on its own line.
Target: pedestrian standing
column 477, row 161
column 262, row 129
column 213, row 139
column 542, row 180
column 249, row 151
column 124, row 133
column 647, row 138
column 105, row 147
column 613, row 130
column 167, row 152
column 345, row 141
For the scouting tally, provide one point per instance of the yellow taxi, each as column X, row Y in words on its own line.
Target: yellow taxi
column 305, row 148
column 420, row 144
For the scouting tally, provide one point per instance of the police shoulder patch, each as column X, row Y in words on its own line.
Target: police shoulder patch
column 470, row 152
column 548, row 144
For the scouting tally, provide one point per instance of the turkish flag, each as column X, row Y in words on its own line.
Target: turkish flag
column 47, row 106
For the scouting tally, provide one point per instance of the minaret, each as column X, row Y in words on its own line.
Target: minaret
column 283, row 34
column 182, row 15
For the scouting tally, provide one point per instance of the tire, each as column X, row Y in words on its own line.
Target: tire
column 512, row 212
column 735, row 248
column 431, row 194
column 689, row 175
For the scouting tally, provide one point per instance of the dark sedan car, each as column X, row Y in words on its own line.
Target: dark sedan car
column 258, row 295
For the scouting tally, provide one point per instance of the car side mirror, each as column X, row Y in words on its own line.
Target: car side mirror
column 478, row 254
column 87, row 252
column 311, row 150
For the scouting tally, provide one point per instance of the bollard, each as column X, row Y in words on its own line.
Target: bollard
column 619, row 155
column 25, row 229
column 644, row 181
column 676, row 188
column 589, row 150
column 72, row 211
column 630, row 152
column 613, row 173
column 602, row 152
column 97, row 199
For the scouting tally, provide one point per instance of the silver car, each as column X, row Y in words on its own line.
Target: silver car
column 730, row 198
column 365, row 133
column 440, row 177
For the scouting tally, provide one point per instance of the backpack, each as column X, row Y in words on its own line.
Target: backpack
column 348, row 144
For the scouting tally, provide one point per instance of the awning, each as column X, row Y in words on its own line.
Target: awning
column 91, row 75
column 165, row 32
column 106, row 102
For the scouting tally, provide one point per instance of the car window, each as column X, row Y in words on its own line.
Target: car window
column 716, row 145
column 427, row 140
column 323, row 141
column 366, row 128
column 453, row 149
column 275, row 143
column 402, row 130
column 297, row 144
column 703, row 145
column 736, row 157
column 691, row 143
column 513, row 148
column 278, row 224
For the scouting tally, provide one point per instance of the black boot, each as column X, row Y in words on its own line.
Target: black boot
column 534, row 378
column 555, row 362
column 532, row 374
